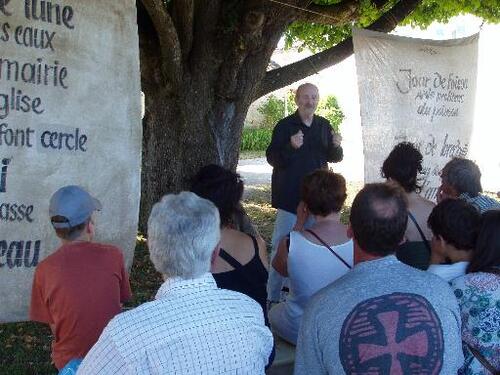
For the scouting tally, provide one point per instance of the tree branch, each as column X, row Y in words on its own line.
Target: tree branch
column 183, row 15
column 170, row 48
column 206, row 20
column 281, row 77
column 336, row 14
column 246, row 39
column 379, row 4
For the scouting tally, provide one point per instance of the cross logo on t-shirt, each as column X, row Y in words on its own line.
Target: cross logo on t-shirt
column 399, row 333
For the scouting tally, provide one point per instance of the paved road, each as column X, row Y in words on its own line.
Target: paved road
column 258, row 171
column 255, row 171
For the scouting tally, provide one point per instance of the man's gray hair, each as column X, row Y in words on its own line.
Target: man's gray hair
column 183, row 231
column 463, row 175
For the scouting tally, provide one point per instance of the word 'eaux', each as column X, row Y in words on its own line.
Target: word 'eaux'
column 409, row 81
column 74, row 140
column 17, row 101
column 16, row 254
column 44, row 11
column 28, row 36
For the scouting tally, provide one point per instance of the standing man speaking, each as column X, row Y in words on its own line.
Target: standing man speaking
column 301, row 143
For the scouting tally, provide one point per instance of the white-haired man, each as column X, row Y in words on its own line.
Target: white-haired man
column 192, row 327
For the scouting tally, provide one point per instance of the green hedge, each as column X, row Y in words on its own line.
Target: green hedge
column 255, row 139
column 273, row 110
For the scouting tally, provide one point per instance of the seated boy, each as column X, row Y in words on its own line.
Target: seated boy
column 80, row 287
column 454, row 224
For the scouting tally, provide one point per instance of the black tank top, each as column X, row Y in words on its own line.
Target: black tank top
column 415, row 253
column 249, row 279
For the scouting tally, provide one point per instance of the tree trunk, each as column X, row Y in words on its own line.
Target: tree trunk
column 176, row 144
column 181, row 134
column 200, row 121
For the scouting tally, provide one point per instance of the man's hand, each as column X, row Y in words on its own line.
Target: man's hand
column 297, row 140
column 336, row 139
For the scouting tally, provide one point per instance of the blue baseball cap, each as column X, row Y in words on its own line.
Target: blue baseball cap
column 74, row 204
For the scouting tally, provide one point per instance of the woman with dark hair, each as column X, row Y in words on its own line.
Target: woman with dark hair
column 314, row 257
column 478, row 294
column 402, row 166
column 242, row 262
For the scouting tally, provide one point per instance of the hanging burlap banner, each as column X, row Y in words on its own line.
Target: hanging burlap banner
column 69, row 114
column 422, row 91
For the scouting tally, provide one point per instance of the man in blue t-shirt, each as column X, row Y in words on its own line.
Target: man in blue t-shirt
column 382, row 317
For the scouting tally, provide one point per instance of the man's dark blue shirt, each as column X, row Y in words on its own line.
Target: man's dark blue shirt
column 291, row 165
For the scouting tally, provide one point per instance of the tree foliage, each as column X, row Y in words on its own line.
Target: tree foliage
column 443, row 10
column 317, row 37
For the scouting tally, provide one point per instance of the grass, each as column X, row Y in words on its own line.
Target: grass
column 144, row 280
column 25, row 349
column 257, row 203
column 256, row 139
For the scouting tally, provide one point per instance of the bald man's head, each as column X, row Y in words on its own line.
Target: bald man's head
column 379, row 215
column 307, row 99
